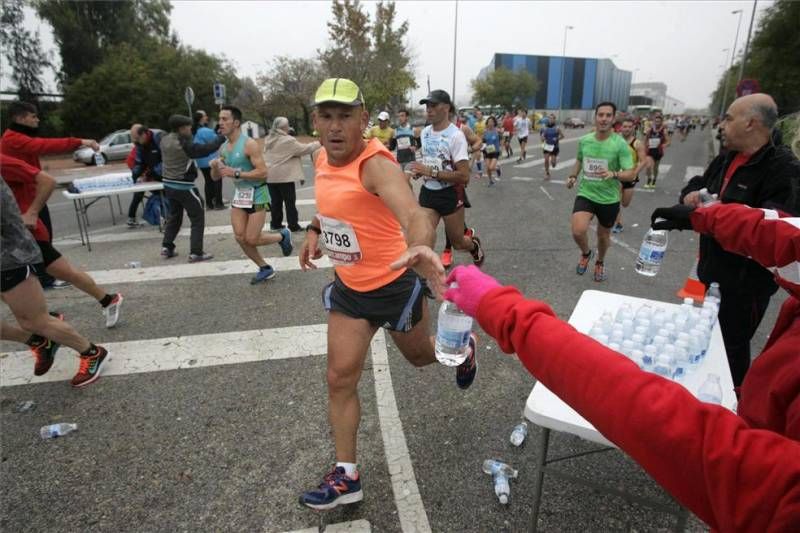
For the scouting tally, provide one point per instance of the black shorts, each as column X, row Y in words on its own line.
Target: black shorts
column 523, row 139
column 655, row 153
column 629, row 184
column 49, row 254
column 13, row 277
column 555, row 152
column 606, row 213
column 444, row 201
column 255, row 208
column 493, row 155
column 396, row 306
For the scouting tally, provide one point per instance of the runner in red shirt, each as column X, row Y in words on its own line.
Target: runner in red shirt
column 508, row 132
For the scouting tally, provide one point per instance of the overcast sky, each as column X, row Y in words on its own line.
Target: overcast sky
column 677, row 42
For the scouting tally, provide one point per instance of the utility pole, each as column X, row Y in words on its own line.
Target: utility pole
column 733, row 53
column 455, row 41
column 747, row 42
column 563, row 66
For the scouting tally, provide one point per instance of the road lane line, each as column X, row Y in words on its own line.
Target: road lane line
column 177, row 353
column 410, row 509
column 622, row 244
column 522, row 178
column 196, row 270
column 545, row 192
column 356, row 526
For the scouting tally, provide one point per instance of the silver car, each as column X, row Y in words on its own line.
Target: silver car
column 113, row 146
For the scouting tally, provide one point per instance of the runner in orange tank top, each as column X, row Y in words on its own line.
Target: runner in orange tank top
column 374, row 232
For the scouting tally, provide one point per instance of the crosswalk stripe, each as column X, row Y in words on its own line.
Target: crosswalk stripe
column 305, row 201
column 196, row 270
column 663, row 170
column 529, row 164
column 176, row 353
column 692, row 172
column 152, row 233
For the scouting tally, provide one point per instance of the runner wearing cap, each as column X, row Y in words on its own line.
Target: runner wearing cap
column 445, row 170
column 382, row 131
column 374, row 285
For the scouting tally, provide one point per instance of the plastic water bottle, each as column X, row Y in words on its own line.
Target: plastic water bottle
column 664, row 365
column 99, row 160
column 651, row 253
column 706, row 198
column 501, row 473
column 710, row 391
column 57, row 430
column 519, row 433
column 452, row 335
column 713, row 294
column 649, row 356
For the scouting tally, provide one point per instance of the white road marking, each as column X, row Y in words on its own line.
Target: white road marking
column 410, row 509
column 175, row 353
column 622, row 244
column 564, row 165
column 663, row 170
column 309, row 201
column 356, row 526
column 545, row 192
column 529, row 164
column 153, row 233
column 182, row 270
column 522, row 178
column 692, row 172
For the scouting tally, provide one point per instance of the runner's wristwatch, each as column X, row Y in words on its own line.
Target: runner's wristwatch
column 237, row 174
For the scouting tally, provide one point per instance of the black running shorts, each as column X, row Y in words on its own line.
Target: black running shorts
column 606, row 213
column 444, row 201
column 14, row 276
column 396, row 306
column 49, row 254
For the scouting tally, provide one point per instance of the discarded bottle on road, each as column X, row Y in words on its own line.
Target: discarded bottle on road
column 99, row 159
column 501, row 473
column 24, row 407
column 452, row 335
column 651, row 253
column 133, row 264
column 57, row 430
column 519, row 433
column 710, row 391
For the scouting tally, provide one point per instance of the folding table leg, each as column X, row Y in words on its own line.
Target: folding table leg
column 84, row 212
column 541, row 461
column 111, row 206
column 119, row 204
column 76, row 205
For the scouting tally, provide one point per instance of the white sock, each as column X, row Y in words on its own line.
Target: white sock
column 349, row 468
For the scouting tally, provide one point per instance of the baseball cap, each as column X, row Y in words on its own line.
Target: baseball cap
column 339, row 91
column 176, row 121
column 383, row 115
column 437, row 97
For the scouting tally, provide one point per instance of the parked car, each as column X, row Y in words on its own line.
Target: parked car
column 574, row 122
column 113, row 146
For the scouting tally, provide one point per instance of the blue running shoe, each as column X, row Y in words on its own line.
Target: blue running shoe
column 286, row 241
column 264, row 273
column 336, row 489
column 465, row 372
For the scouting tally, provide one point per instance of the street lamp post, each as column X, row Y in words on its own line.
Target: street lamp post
column 733, row 53
column 563, row 65
column 747, row 42
column 455, row 40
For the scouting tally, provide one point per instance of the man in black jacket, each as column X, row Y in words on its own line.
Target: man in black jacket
column 755, row 172
column 146, row 164
column 178, row 151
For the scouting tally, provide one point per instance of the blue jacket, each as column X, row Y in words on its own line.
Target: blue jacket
column 205, row 135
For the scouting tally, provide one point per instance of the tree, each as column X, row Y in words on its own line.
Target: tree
column 143, row 84
column 85, row 32
column 505, row 88
column 289, row 87
column 23, row 51
column 374, row 55
column 251, row 101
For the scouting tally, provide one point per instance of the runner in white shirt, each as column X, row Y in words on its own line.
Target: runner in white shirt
column 522, row 125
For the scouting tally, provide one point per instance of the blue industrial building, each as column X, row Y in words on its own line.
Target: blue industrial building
column 587, row 81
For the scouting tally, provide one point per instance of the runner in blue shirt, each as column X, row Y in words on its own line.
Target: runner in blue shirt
column 491, row 148
column 550, row 137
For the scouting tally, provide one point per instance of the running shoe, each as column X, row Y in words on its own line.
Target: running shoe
column 89, row 371
column 133, row 223
column 599, row 271
column 617, row 228
column 583, row 263
column 196, row 258
column 167, row 253
column 337, row 488
column 465, row 372
column 264, row 273
column 469, row 232
column 499, row 173
column 447, row 258
column 286, row 241
column 112, row 311
column 491, row 183
column 44, row 352
column 60, row 284
column 477, row 254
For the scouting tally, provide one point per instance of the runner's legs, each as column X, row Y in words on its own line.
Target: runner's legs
column 63, row 270
column 417, row 345
column 239, row 221
column 603, row 241
column 580, row 229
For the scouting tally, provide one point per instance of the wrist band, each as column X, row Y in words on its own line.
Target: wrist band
column 313, row 228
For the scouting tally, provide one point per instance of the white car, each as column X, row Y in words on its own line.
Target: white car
column 113, row 146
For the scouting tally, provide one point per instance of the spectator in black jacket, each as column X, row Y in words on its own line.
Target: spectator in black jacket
column 146, row 164
column 755, row 172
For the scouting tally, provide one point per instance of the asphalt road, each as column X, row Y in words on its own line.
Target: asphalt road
column 214, row 415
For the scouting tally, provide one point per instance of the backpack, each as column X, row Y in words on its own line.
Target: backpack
column 155, row 209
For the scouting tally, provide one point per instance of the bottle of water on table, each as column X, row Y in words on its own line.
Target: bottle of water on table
column 651, row 253
column 711, row 390
column 452, row 335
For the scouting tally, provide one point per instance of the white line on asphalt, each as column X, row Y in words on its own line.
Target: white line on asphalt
column 410, row 509
column 530, row 148
column 564, row 165
column 663, row 170
column 522, row 178
column 176, row 353
column 692, row 172
column 309, row 201
column 545, row 192
column 529, row 164
column 561, row 182
column 356, row 526
column 196, row 270
column 142, row 234
column 622, row 244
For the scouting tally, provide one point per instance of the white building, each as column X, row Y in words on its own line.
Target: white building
column 656, row 91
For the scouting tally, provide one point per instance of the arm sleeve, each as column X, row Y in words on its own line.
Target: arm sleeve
column 458, row 147
column 40, row 145
column 744, row 230
column 732, row 477
column 138, row 163
column 195, row 150
column 15, row 170
column 299, row 149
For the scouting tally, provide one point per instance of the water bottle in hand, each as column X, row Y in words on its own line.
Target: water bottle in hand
column 519, row 433
column 99, row 159
column 57, row 430
column 452, row 335
column 651, row 253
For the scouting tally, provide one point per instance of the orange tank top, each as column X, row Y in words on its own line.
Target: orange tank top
column 360, row 234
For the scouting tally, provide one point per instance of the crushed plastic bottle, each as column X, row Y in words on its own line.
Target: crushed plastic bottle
column 501, row 474
column 133, row 264
column 26, row 406
column 57, row 430
column 519, row 433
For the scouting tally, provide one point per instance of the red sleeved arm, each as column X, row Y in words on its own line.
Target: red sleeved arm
column 40, row 145
column 744, row 230
column 15, row 170
column 732, row 477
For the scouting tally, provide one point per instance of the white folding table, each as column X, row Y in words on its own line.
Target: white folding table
column 546, row 410
column 82, row 201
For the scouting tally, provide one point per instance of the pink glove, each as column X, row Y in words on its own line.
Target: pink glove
column 472, row 286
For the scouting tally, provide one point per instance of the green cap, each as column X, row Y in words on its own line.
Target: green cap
column 339, row 91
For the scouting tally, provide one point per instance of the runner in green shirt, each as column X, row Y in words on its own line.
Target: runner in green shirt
column 603, row 161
